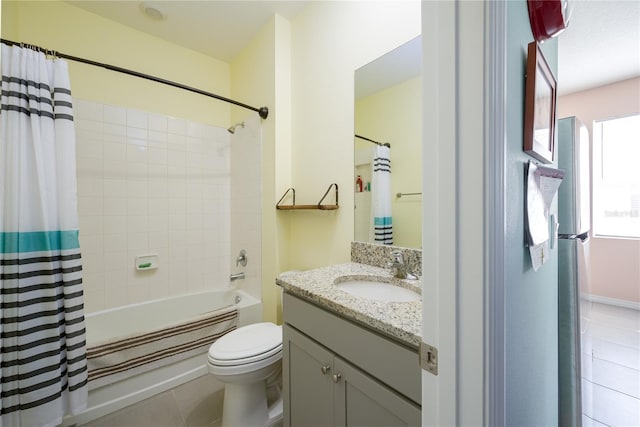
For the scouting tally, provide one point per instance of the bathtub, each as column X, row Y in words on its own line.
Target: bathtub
column 141, row 317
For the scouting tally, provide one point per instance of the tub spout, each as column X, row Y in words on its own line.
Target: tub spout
column 236, row 276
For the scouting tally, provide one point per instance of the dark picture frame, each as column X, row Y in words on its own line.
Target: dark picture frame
column 540, row 106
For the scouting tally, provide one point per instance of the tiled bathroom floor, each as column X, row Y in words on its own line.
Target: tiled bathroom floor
column 612, row 384
column 192, row 404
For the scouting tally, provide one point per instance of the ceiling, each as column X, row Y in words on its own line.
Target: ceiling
column 217, row 28
column 601, row 45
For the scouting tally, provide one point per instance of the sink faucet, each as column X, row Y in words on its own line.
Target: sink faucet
column 398, row 266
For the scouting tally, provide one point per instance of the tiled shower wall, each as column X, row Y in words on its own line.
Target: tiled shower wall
column 149, row 183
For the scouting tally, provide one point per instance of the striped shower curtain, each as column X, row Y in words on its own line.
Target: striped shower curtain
column 42, row 343
column 381, row 196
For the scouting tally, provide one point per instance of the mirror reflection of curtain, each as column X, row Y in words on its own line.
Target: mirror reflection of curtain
column 381, row 196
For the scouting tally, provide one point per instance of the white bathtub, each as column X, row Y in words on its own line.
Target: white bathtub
column 141, row 317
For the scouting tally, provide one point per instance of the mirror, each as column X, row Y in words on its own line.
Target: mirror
column 388, row 108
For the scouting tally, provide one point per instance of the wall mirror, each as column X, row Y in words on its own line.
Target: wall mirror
column 388, row 108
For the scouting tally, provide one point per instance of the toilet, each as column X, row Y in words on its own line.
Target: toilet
column 248, row 361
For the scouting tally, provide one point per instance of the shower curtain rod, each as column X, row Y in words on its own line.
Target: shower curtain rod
column 263, row 112
column 386, row 144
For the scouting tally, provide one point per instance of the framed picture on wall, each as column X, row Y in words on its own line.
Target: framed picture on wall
column 540, row 106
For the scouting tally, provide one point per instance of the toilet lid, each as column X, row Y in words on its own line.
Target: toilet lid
column 247, row 342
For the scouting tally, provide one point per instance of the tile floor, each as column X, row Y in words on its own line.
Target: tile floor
column 611, row 366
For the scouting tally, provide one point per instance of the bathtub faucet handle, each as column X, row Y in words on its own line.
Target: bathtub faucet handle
column 242, row 258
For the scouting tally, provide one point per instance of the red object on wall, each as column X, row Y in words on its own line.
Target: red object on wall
column 548, row 18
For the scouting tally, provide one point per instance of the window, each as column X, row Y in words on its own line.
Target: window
column 616, row 177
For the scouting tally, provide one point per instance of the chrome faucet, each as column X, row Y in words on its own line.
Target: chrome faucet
column 398, row 267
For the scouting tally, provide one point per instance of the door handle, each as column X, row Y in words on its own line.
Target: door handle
column 337, row 377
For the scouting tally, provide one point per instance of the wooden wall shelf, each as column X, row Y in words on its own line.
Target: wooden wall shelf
column 318, row 206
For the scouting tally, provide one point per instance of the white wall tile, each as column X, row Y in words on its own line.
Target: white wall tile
column 177, row 206
column 158, row 123
column 137, row 118
column 176, row 142
column 137, row 154
column 89, row 206
column 158, row 139
column 157, row 187
column 195, row 145
column 115, row 288
column 90, row 187
column 114, row 169
column 158, row 222
column 176, row 126
column 89, row 148
column 137, row 206
column 115, row 187
column 114, row 132
column 115, row 244
column 91, row 224
column 137, row 171
column 159, row 239
column 115, row 206
column 115, row 115
column 178, row 239
column 138, row 224
column 177, row 159
column 149, row 182
column 114, row 151
column 194, row 129
column 178, row 223
column 159, row 206
column 158, row 156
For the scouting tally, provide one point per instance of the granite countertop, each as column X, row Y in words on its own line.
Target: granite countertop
column 401, row 321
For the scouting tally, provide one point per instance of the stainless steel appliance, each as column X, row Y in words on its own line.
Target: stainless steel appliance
column 574, row 217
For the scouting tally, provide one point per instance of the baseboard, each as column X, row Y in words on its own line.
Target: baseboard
column 612, row 301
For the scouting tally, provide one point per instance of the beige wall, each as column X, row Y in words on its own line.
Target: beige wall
column 394, row 115
column 329, row 41
column 261, row 76
column 615, row 262
column 84, row 34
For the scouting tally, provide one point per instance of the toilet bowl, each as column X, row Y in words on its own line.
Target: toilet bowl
column 248, row 360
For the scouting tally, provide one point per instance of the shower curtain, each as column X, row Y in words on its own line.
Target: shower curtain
column 381, row 196
column 42, row 343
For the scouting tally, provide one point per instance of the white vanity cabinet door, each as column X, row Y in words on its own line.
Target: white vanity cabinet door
column 307, row 381
column 361, row 401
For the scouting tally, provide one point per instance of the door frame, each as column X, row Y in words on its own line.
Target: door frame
column 464, row 160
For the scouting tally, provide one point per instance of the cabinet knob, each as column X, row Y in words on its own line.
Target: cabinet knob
column 337, row 377
column 325, row 369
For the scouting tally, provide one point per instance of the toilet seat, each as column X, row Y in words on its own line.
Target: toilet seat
column 248, row 345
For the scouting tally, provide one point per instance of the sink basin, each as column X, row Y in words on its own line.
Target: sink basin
column 378, row 291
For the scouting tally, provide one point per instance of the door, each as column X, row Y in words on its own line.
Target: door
column 361, row 401
column 308, row 400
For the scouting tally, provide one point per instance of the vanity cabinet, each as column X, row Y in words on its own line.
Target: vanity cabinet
column 338, row 373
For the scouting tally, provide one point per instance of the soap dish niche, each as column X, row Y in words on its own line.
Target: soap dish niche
column 147, row 262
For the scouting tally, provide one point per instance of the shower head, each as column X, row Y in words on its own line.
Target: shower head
column 232, row 129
